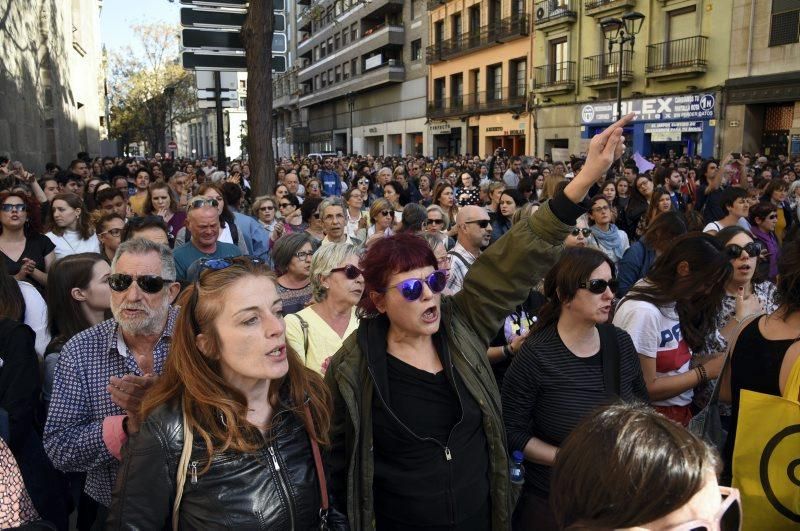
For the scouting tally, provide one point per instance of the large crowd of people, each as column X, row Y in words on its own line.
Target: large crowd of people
column 382, row 342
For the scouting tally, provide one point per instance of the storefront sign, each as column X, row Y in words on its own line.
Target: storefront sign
column 794, row 145
column 673, row 127
column 493, row 129
column 688, row 106
column 444, row 128
column 665, row 136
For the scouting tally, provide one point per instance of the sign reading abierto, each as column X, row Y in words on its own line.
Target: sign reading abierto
column 683, row 107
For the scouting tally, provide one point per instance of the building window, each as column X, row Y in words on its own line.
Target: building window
column 518, row 71
column 336, row 42
column 345, row 37
column 455, row 26
column 438, row 32
column 243, row 84
column 785, row 24
column 346, row 70
column 494, row 82
column 438, row 92
column 338, row 73
column 354, row 32
column 354, row 67
column 416, row 50
column 474, row 20
column 243, row 102
column 412, row 8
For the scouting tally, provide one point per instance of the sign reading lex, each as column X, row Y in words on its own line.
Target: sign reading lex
column 687, row 106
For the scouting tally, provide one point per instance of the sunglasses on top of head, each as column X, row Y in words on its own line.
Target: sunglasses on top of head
column 411, row 289
column 350, row 271
column 598, row 286
column 197, row 203
column 753, row 250
column 120, row 282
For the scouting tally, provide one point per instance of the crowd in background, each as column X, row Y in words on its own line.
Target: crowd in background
column 115, row 270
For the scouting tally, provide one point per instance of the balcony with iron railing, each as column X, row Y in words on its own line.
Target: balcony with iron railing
column 511, row 99
column 602, row 7
column 504, row 30
column 677, row 58
column 551, row 13
column 602, row 70
column 554, row 78
column 388, row 72
column 317, row 20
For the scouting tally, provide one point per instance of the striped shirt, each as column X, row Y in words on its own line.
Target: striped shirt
column 73, row 435
column 548, row 390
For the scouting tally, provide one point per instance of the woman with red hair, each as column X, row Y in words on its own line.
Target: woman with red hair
column 417, row 437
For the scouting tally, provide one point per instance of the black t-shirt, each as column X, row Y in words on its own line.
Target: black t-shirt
column 415, row 486
column 37, row 247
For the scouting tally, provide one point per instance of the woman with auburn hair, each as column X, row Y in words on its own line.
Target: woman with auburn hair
column 444, row 197
column 222, row 443
column 606, row 463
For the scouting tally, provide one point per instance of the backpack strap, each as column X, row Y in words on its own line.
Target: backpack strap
column 304, row 327
column 610, row 352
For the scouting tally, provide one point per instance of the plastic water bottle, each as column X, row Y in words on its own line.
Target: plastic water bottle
column 517, row 470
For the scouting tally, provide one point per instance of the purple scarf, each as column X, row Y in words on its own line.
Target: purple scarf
column 774, row 249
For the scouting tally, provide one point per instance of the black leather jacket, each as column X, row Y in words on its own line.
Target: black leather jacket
column 275, row 488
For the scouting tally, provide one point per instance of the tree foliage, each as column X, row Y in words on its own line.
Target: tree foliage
column 148, row 89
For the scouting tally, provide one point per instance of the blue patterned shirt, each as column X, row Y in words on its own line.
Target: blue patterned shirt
column 73, row 435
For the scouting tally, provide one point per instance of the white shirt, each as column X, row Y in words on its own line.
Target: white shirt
column 72, row 243
column 36, row 315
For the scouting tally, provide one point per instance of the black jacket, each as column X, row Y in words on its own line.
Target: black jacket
column 275, row 488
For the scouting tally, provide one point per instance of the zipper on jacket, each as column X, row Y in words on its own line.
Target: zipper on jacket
column 283, row 484
column 193, row 468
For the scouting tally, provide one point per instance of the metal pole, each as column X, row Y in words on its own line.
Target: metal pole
column 619, row 77
column 221, row 165
column 350, row 103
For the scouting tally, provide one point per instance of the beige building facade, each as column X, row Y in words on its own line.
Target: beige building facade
column 762, row 111
column 51, row 80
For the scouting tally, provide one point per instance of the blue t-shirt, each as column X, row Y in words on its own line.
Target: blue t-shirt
column 187, row 254
column 331, row 183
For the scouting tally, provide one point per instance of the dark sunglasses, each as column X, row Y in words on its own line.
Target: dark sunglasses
column 266, row 208
column 435, row 221
column 385, row 212
column 586, row 232
column 411, row 289
column 350, row 271
column 19, row 207
column 284, row 205
column 120, row 282
column 598, row 286
column 197, row 203
column 753, row 250
column 482, row 223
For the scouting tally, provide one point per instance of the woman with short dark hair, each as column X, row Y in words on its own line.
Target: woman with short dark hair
column 619, row 469
column 292, row 258
column 763, row 220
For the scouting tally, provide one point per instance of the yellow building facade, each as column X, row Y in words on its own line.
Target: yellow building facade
column 478, row 76
column 672, row 79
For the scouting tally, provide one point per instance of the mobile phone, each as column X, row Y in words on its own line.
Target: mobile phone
column 736, row 156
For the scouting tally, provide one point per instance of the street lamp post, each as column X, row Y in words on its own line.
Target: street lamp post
column 351, row 100
column 621, row 31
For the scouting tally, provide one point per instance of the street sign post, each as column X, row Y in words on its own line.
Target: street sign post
column 216, row 3
column 212, row 18
column 212, row 39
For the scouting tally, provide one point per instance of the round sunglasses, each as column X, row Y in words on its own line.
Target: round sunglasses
column 598, row 286
column 120, row 282
column 411, row 289
column 350, row 271
column 753, row 250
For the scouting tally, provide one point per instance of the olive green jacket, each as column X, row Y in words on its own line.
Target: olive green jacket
column 497, row 282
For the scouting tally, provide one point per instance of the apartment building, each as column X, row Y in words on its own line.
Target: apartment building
column 361, row 76
column 479, row 60
column 762, row 111
column 672, row 79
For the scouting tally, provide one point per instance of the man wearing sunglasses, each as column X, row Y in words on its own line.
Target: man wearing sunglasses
column 203, row 224
column 474, row 233
column 104, row 372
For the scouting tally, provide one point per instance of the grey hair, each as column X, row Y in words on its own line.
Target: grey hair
column 434, row 240
column 385, row 169
column 329, row 202
column 440, row 210
column 141, row 246
column 327, row 258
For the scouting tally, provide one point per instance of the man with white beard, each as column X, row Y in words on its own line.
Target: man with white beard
column 104, row 371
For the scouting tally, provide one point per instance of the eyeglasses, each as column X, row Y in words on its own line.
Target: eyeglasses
column 586, row 232
column 350, row 271
column 598, row 286
column 753, row 250
column 482, row 223
column 434, row 221
column 728, row 517
column 266, row 208
column 363, row 181
column 302, row 255
column 601, row 208
column 120, row 282
column 12, row 207
column 197, row 203
column 444, row 261
column 115, row 233
column 411, row 289
column 284, row 205
column 213, row 264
